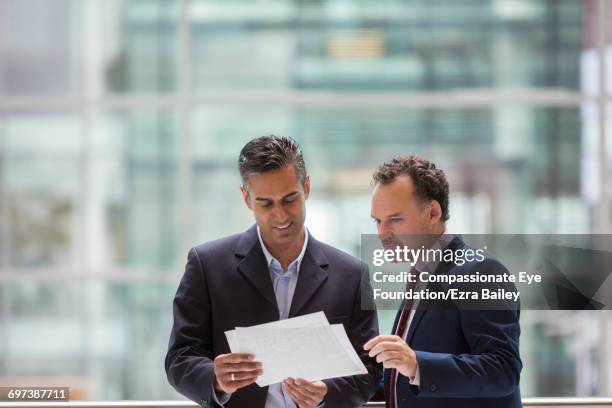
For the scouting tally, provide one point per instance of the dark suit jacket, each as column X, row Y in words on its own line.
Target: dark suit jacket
column 467, row 358
column 227, row 284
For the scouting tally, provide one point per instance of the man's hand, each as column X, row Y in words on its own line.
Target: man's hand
column 393, row 352
column 234, row 371
column 306, row 394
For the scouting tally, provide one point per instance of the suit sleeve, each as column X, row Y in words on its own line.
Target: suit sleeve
column 189, row 365
column 356, row 390
column 492, row 367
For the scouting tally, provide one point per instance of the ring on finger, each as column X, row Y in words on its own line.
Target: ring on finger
column 233, row 377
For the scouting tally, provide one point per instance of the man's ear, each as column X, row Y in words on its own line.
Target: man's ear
column 246, row 197
column 435, row 212
column 307, row 187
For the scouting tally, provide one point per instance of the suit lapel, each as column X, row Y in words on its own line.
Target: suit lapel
column 311, row 276
column 253, row 265
column 416, row 319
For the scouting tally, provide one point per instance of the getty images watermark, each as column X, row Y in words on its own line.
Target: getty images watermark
column 488, row 272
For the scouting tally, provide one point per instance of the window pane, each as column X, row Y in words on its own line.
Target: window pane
column 140, row 46
column 393, row 45
column 133, row 218
column 41, row 189
column 39, row 47
column 106, row 341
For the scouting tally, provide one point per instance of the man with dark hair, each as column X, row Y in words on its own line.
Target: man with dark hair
column 275, row 270
column 445, row 356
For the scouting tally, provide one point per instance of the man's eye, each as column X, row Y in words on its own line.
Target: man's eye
column 289, row 200
column 266, row 205
column 396, row 220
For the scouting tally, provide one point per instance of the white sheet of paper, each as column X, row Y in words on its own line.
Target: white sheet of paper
column 346, row 344
column 309, row 320
column 313, row 352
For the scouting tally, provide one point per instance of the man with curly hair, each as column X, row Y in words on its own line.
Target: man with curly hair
column 439, row 356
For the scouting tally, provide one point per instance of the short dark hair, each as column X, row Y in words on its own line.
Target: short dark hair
column 267, row 153
column 430, row 182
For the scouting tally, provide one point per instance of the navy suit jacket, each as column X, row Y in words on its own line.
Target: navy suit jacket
column 227, row 284
column 466, row 358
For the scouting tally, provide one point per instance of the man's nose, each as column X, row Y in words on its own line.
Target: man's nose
column 280, row 214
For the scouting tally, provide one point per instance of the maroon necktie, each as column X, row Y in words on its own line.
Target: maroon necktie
column 399, row 331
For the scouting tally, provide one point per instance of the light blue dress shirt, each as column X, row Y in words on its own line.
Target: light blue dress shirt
column 284, row 283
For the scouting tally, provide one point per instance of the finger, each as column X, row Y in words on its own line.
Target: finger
column 307, row 386
column 238, row 367
column 295, row 397
column 388, row 355
column 235, row 357
column 232, row 386
column 385, row 346
column 302, row 393
column 247, row 375
column 293, row 391
column 256, row 365
column 383, row 337
column 300, row 399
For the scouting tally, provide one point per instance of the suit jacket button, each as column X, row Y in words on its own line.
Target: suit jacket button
column 433, row 387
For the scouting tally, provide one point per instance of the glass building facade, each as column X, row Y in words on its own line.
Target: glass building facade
column 121, row 123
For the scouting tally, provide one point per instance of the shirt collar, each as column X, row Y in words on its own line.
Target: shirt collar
column 270, row 258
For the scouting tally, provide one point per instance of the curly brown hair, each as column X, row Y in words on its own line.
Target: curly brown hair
column 430, row 182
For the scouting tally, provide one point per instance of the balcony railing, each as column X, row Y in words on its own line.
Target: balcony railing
column 527, row 402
